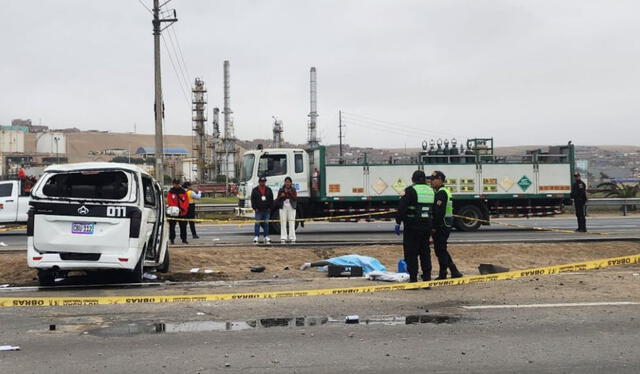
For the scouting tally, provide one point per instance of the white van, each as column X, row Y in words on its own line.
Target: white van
column 96, row 216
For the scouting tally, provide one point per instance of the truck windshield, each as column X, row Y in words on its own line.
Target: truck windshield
column 271, row 165
column 247, row 167
column 107, row 185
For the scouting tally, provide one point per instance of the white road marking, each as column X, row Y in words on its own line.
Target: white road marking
column 560, row 305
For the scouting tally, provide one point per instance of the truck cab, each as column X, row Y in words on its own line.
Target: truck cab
column 14, row 204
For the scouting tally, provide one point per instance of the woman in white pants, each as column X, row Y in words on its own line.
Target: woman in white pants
column 287, row 197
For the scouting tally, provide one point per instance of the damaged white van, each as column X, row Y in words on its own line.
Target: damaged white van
column 96, row 216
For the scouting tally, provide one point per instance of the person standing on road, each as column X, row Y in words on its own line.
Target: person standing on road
column 414, row 211
column 287, row 202
column 579, row 197
column 191, row 213
column 261, row 202
column 442, row 222
column 178, row 206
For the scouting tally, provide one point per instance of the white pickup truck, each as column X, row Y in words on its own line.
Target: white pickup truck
column 14, row 205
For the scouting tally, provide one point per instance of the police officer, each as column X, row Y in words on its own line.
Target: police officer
column 442, row 222
column 579, row 196
column 415, row 211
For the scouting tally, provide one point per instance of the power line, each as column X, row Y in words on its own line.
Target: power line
column 396, row 125
column 185, row 80
column 175, row 35
column 379, row 127
column 180, row 83
column 145, row 6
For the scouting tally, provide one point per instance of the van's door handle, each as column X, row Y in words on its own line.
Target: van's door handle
column 9, row 201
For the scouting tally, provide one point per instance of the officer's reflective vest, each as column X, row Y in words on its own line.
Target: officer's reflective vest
column 426, row 196
column 448, row 210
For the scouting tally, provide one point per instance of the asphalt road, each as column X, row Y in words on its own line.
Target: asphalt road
column 552, row 335
column 382, row 232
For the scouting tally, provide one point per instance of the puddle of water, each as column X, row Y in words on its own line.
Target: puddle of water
column 264, row 323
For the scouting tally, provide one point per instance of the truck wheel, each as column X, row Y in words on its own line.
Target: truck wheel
column 46, row 278
column 164, row 268
column 470, row 211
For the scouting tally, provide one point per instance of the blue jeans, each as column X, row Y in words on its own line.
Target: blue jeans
column 262, row 219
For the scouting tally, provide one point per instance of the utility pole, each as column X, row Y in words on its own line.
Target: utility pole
column 158, row 103
column 341, row 159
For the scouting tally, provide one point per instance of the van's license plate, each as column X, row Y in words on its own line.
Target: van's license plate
column 85, row 228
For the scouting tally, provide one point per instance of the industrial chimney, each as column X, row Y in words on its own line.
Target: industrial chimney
column 313, row 114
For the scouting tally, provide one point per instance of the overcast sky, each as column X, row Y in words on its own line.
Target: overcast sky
column 523, row 72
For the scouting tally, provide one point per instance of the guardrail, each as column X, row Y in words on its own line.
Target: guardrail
column 216, row 207
column 615, row 201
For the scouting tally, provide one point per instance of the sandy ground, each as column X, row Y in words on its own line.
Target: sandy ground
column 282, row 262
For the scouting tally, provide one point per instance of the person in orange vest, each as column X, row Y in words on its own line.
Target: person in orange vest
column 178, row 207
column 22, row 174
column 191, row 213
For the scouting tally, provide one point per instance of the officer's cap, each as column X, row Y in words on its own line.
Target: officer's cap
column 438, row 175
column 262, row 179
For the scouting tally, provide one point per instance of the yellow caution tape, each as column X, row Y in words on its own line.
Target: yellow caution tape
column 251, row 221
column 537, row 228
column 157, row 299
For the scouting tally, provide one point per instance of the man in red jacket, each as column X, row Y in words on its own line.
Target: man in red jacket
column 177, row 198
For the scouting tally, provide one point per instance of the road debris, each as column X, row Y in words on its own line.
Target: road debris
column 491, row 269
column 257, row 269
column 9, row 348
column 386, row 276
column 149, row 276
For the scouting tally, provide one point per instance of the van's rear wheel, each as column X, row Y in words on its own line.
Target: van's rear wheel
column 135, row 275
column 46, row 278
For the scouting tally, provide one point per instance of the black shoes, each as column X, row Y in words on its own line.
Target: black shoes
column 454, row 274
column 185, row 242
column 171, row 241
column 196, row 237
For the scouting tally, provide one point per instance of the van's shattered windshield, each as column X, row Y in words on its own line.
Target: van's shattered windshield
column 107, row 185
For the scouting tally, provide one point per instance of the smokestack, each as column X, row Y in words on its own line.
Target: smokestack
column 278, row 128
column 313, row 114
column 216, row 123
column 228, row 124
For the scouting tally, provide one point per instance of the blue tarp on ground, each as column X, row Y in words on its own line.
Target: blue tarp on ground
column 368, row 264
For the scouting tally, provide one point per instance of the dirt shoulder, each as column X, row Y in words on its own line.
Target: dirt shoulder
column 233, row 263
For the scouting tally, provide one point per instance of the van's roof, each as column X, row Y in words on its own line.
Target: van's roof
column 93, row 166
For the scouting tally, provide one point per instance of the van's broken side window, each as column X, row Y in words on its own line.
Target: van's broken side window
column 108, row 185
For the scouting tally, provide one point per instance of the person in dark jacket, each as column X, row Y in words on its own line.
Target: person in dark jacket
column 414, row 211
column 442, row 222
column 579, row 197
column 287, row 202
column 177, row 198
column 262, row 202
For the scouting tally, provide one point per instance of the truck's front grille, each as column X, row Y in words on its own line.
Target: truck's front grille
column 70, row 256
